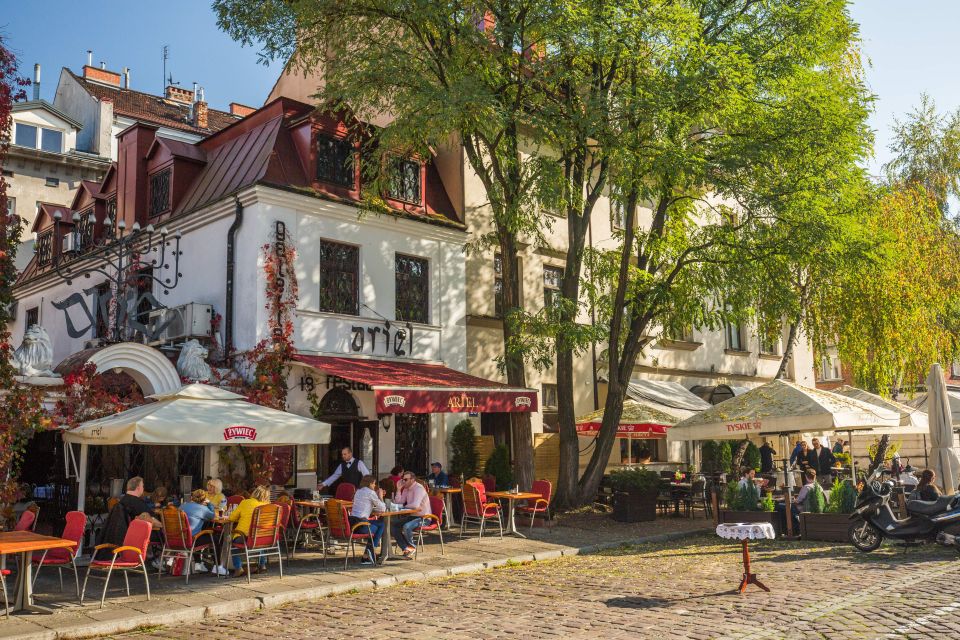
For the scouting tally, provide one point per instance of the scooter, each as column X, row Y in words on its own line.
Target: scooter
column 874, row 520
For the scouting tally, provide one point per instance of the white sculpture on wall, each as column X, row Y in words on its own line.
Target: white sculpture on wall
column 192, row 362
column 34, row 356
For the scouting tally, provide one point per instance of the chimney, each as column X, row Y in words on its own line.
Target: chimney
column 103, row 65
column 126, row 77
column 200, row 110
column 36, row 81
column 241, row 110
column 176, row 94
column 101, row 75
column 89, row 57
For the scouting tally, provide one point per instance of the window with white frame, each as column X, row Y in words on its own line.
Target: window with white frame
column 35, row 137
column 549, row 396
column 734, row 336
column 11, row 206
column 830, row 368
column 769, row 345
column 552, row 284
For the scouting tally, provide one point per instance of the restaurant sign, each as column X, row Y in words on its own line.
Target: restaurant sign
column 737, row 427
column 240, row 432
column 454, row 401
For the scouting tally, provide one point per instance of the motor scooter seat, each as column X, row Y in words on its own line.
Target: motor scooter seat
column 929, row 508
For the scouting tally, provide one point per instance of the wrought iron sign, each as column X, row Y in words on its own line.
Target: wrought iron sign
column 385, row 339
column 308, row 383
column 130, row 314
column 280, row 252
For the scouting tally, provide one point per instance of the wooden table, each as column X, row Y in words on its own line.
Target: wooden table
column 677, row 489
column 511, row 499
column 24, row 543
column 386, row 542
column 744, row 532
column 447, row 493
column 226, row 541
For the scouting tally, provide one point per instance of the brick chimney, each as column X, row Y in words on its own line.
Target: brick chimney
column 101, row 75
column 241, row 110
column 200, row 110
column 183, row 96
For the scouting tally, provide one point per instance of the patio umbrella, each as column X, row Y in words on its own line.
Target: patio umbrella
column 921, row 400
column 912, row 419
column 781, row 407
column 636, row 421
column 943, row 456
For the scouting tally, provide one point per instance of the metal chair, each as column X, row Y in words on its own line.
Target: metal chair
column 264, row 537
column 3, row 583
column 59, row 558
column 477, row 509
column 539, row 505
column 345, row 492
column 435, row 517
column 304, row 524
column 340, row 529
column 130, row 556
column 28, row 519
column 179, row 541
column 698, row 497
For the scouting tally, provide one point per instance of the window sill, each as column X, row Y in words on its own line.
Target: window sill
column 679, row 345
column 770, row 356
column 737, row 352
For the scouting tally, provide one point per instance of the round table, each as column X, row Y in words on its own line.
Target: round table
column 745, row 532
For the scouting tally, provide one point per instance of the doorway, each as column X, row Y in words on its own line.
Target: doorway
column 412, row 441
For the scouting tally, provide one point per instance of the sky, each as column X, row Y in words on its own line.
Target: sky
column 910, row 46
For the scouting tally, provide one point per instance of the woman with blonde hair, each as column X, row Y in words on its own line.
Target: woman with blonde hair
column 215, row 492
column 243, row 517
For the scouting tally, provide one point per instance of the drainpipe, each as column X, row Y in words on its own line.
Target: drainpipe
column 231, row 265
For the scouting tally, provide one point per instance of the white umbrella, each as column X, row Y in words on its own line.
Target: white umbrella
column 943, row 456
column 912, row 419
column 780, row 407
column 200, row 414
column 921, row 400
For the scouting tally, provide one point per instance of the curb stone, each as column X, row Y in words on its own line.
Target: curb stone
column 246, row 605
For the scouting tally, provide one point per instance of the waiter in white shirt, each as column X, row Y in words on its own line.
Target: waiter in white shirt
column 349, row 470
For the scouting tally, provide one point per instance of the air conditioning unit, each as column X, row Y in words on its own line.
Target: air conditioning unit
column 187, row 321
column 69, row 244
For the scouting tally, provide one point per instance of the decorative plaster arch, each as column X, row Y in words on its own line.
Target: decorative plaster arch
column 147, row 366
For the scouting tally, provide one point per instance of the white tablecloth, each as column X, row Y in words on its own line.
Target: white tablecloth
column 746, row 531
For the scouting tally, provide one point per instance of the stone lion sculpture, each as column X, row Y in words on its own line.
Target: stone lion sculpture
column 34, row 356
column 192, row 362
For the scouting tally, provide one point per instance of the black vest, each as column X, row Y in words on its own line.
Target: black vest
column 351, row 474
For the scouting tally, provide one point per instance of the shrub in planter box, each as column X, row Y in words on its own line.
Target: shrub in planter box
column 832, row 524
column 635, row 494
column 744, row 504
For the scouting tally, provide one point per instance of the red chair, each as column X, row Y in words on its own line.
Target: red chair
column 339, row 523
column 179, row 541
column 131, row 556
column 234, row 500
column 435, row 518
column 285, row 509
column 345, row 491
column 28, row 520
column 59, row 558
column 3, row 582
column 264, row 538
column 305, row 524
column 541, row 504
column 477, row 509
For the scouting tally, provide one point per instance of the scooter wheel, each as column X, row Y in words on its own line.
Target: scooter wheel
column 864, row 536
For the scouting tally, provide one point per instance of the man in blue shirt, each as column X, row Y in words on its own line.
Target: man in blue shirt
column 438, row 475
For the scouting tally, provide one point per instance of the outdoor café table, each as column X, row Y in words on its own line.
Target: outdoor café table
column 226, row 540
column 677, row 491
column 447, row 493
column 25, row 543
column 744, row 532
column 386, row 542
column 511, row 499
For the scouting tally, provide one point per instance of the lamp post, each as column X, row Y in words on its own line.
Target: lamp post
column 119, row 256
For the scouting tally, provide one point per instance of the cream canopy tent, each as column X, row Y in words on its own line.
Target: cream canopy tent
column 636, row 421
column 912, row 420
column 781, row 407
column 921, row 401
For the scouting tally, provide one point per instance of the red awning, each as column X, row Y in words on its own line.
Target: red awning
column 414, row 387
column 637, row 431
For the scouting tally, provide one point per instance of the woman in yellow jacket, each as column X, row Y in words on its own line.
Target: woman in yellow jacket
column 243, row 517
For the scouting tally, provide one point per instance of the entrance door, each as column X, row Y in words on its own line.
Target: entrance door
column 366, row 443
column 496, row 425
column 412, row 441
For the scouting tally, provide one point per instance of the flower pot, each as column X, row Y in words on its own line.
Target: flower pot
column 771, row 517
column 634, row 506
column 828, row 527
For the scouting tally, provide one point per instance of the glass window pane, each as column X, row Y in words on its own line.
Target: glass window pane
column 412, row 289
column 339, row 278
column 405, row 181
column 26, row 136
column 335, row 161
column 51, row 140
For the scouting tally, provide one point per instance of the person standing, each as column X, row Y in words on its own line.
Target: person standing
column 798, row 452
column 766, row 458
column 820, row 458
column 366, row 501
column 349, row 470
column 838, row 446
column 410, row 495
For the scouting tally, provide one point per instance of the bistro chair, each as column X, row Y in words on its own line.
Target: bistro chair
column 477, row 509
column 3, row 583
column 698, row 496
column 59, row 558
column 264, row 538
column 28, row 519
column 179, row 541
column 306, row 524
column 345, row 492
column 131, row 556
column 541, row 504
column 435, row 518
column 340, row 529
column 286, row 508
column 234, row 500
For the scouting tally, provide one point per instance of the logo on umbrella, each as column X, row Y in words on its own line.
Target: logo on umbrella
column 238, row 432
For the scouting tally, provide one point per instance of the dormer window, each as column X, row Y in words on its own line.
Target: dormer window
column 44, row 248
column 405, row 183
column 335, row 161
column 160, row 192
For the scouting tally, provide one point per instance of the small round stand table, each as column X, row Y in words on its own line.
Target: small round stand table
column 745, row 532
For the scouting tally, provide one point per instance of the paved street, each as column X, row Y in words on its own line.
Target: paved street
column 669, row 590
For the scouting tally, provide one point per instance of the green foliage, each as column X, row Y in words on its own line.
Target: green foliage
column 463, row 450
column 731, row 495
column 843, row 458
column 726, row 457
column 892, row 448
column 748, row 498
column 751, row 458
column 498, row 466
column 638, row 479
column 767, row 504
column 843, row 497
column 816, row 500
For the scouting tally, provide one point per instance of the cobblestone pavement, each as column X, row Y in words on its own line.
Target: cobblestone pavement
column 671, row 590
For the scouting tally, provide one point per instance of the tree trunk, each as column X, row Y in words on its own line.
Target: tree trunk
column 787, row 350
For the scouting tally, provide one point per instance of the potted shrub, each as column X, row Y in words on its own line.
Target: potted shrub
column 499, row 467
column 635, row 494
column 828, row 520
column 745, row 504
column 463, row 450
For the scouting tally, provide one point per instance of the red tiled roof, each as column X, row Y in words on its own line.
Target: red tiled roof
column 154, row 109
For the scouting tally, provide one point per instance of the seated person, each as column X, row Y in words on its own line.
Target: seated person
column 410, row 495
column 926, row 490
column 438, row 475
column 395, row 474
column 215, row 492
column 130, row 506
column 367, row 500
column 199, row 513
column 243, row 517
column 799, row 502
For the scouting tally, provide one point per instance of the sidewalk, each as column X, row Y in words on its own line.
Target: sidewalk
column 305, row 578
